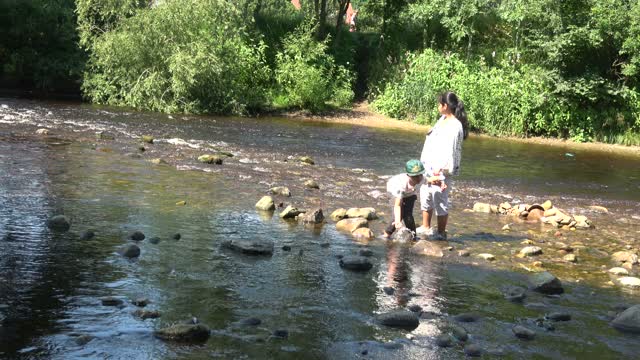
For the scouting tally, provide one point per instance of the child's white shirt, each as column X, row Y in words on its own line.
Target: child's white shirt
column 399, row 187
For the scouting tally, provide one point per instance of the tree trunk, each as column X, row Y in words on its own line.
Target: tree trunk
column 342, row 10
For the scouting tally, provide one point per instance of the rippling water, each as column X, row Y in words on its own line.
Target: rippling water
column 51, row 284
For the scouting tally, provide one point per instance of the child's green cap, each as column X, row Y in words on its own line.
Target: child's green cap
column 414, row 167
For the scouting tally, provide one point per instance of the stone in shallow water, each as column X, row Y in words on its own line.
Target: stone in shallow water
column 280, row 190
column 251, row 247
column 290, row 212
column 473, row 350
column 154, row 240
column 111, row 301
column 184, row 333
column 349, row 225
column 147, row 314
column 628, row 320
column 266, row 204
column 559, row 316
column 546, row 283
column 141, row 302
column 400, row 319
column 59, row 223
column 311, row 184
column 250, row 322
column 87, row 235
column 629, row 281
column 281, row 333
column 522, row 332
column 176, row 236
column 355, row 263
column 136, row 236
column 444, row 340
column 530, row 251
column 515, row 293
column 130, row 251
column 467, row 317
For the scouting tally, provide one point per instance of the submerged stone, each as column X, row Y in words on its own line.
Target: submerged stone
column 399, row 318
column 522, row 332
column 473, row 350
column 251, row 247
column 130, row 251
column 546, row 283
column 210, row 159
column 266, row 204
column 59, row 223
column 146, row 314
column 184, row 333
column 136, row 236
column 87, row 235
column 280, row 190
column 628, row 320
column 355, row 263
column 444, row 340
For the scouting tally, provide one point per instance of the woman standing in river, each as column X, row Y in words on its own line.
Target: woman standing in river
column 441, row 156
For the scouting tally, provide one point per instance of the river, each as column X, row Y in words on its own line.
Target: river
column 51, row 283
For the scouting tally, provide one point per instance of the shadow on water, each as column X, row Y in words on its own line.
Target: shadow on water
column 52, row 283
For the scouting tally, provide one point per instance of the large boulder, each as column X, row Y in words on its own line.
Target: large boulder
column 251, row 247
column 59, row 223
column 355, row 263
column 628, row 320
column 400, row 319
column 265, row 204
column 366, row 213
column 313, row 217
column 349, row 225
column 424, row 247
column 184, row 332
column 621, row 257
column 363, row 233
column 546, row 283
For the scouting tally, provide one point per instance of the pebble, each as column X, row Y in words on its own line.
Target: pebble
column 473, row 350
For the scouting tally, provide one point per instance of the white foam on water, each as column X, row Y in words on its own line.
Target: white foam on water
column 260, row 169
column 181, row 142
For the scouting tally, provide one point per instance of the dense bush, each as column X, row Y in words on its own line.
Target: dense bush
column 180, row 56
column 307, row 74
column 509, row 100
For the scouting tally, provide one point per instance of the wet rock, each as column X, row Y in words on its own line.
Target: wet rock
column 130, row 251
column 142, row 148
column 444, row 340
column 488, row 257
column 136, row 236
column 280, row 333
column 628, row 320
column 473, row 350
column 535, row 214
column 87, row 235
column 600, row 209
column 111, row 301
column 618, row 271
column 146, row 314
column 467, row 317
column 415, row 308
column 547, row 205
column 388, row 290
column 311, row 184
column 570, row 258
column 42, row 132
column 83, row 339
column 184, row 333
column 621, row 257
column 522, row 332
column 154, row 240
column 629, row 281
column 141, row 302
column 464, row 253
column 250, row 322
column 363, row 233
column 559, row 316
column 507, row 227
column 158, row 161
column 582, row 222
column 355, row 263
column 365, row 252
column 349, row 225
column 339, row 214
column 286, row 248
column 59, row 223
column 482, row 207
column 280, row 190
column 515, row 294
column 403, row 235
column 250, row 247
column 313, row 217
column 306, row 160
column 563, row 246
column 210, row 159
column 400, row 319
column 176, row 236
column 366, row 213
column 530, row 251
column 103, row 135
column 424, row 247
column 546, row 283
column 527, row 242
column 147, row 139
column 290, row 212
column 459, row 332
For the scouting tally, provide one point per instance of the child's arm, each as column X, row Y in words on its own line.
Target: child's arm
column 397, row 215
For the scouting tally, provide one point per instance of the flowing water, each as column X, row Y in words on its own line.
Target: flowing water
column 51, row 283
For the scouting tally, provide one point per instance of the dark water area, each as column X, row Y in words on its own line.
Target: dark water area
column 51, row 283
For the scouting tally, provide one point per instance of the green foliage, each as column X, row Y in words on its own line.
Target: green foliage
column 182, row 55
column 307, row 74
column 38, row 44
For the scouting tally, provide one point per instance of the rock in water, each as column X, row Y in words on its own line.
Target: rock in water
column 628, row 320
column 184, row 333
column 290, row 212
column 251, row 247
column 366, row 213
column 514, row 294
column 473, row 350
column 399, row 318
column 482, row 207
column 444, row 340
column 338, row 214
column 306, row 160
column 403, row 235
column 356, row 263
column 210, row 159
column 363, row 233
column 349, row 225
column 280, row 190
column 146, row 314
column 130, row 251
column 266, row 204
column 136, row 236
column 314, row 217
column 87, row 235
column 424, row 247
column 111, row 301
column 147, row 139
column 59, row 223
column 311, row 184
column 530, row 251
column 522, row 332
column 546, row 283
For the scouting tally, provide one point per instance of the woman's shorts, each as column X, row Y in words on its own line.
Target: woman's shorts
column 433, row 198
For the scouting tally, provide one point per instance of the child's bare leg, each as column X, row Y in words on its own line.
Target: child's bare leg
column 426, row 218
column 442, row 223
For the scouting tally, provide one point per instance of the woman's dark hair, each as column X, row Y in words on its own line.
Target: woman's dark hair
column 457, row 108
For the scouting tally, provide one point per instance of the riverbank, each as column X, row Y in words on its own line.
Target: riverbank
column 362, row 115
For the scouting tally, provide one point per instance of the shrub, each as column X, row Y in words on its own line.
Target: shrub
column 180, row 56
column 307, row 75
